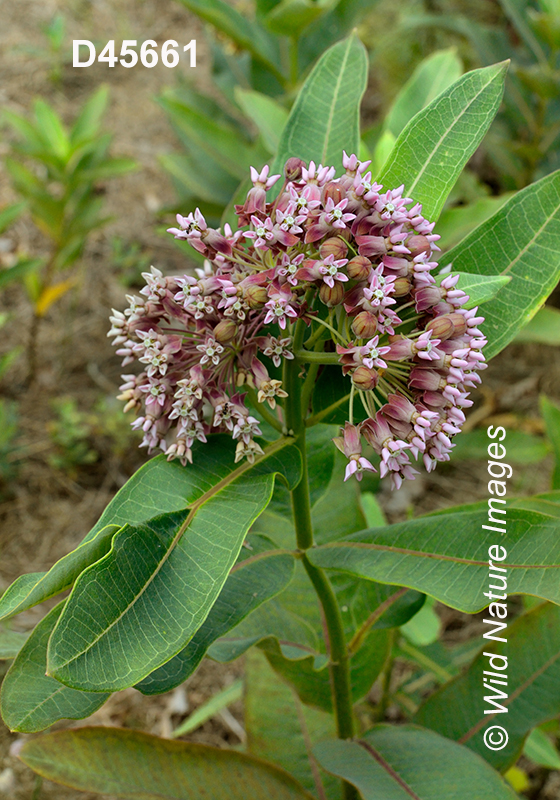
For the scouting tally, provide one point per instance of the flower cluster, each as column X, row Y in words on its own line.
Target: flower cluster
column 346, row 260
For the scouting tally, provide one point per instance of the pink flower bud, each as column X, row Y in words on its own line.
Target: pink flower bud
column 364, row 378
column 401, row 287
column 334, row 192
column 255, row 296
column 225, row 331
column 333, row 247
column 331, row 295
column 441, row 327
column 364, row 325
column 418, row 245
column 292, row 168
column 358, row 268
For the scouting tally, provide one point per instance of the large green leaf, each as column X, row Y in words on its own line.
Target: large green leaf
column 522, row 240
column 35, row 587
column 324, row 120
column 480, row 288
column 403, row 762
column 457, row 222
column 11, row 643
column 291, row 17
column 251, row 582
column 431, row 77
column 282, row 730
column 532, row 651
column 446, row 555
column 31, row 701
column 141, row 604
column 432, row 150
column 137, row 766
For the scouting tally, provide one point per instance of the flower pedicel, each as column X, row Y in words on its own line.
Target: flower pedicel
column 354, row 264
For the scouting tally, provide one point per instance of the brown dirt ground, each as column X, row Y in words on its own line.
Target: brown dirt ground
column 49, row 511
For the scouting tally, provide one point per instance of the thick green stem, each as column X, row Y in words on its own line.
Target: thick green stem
column 339, row 663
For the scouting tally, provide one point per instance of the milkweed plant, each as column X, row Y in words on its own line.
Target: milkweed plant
column 325, row 343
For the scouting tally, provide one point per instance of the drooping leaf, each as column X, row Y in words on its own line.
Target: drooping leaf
column 324, row 119
column 551, row 415
column 432, row 150
column 480, row 288
column 252, row 582
column 141, row 604
column 30, row 701
column 10, row 213
column 431, row 77
column 403, row 762
column 282, row 730
column 522, row 240
column 530, row 698
column 543, row 328
column 33, row 588
column 446, row 555
column 138, row 766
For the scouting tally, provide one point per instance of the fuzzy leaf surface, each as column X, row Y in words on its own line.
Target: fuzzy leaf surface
column 30, row 701
column 446, row 555
column 324, row 119
column 408, row 763
column 138, row 766
column 457, row 709
column 430, row 153
column 141, row 604
column 522, row 241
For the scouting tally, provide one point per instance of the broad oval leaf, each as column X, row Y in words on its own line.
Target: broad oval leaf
column 430, row 153
column 522, row 240
column 268, row 115
column 250, row 583
column 136, row 765
column 405, row 762
column 530, row 698
column 11, row 643
column 141, row 604
column 324, row 120
column 35, row 587
column 446, row 555
column 31, row 701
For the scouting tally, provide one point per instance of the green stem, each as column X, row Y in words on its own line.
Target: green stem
column 314, row 357
column 339, row 662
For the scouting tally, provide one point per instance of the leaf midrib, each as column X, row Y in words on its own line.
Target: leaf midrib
column 447, row 132
column 196, row 506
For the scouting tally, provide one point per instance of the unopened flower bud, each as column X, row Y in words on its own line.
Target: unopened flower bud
column 442, row 327
column 225, row 331
column 459, row 323
column 364, row 378
column 333, row 247
column 292, row 168
column 256, row 296
column 364, row 325
column 331, row 295
column 401, row 287
column 418, row 244
column 358, row 268
column 333, row 191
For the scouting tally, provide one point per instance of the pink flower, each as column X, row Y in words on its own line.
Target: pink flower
column 349, row 444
